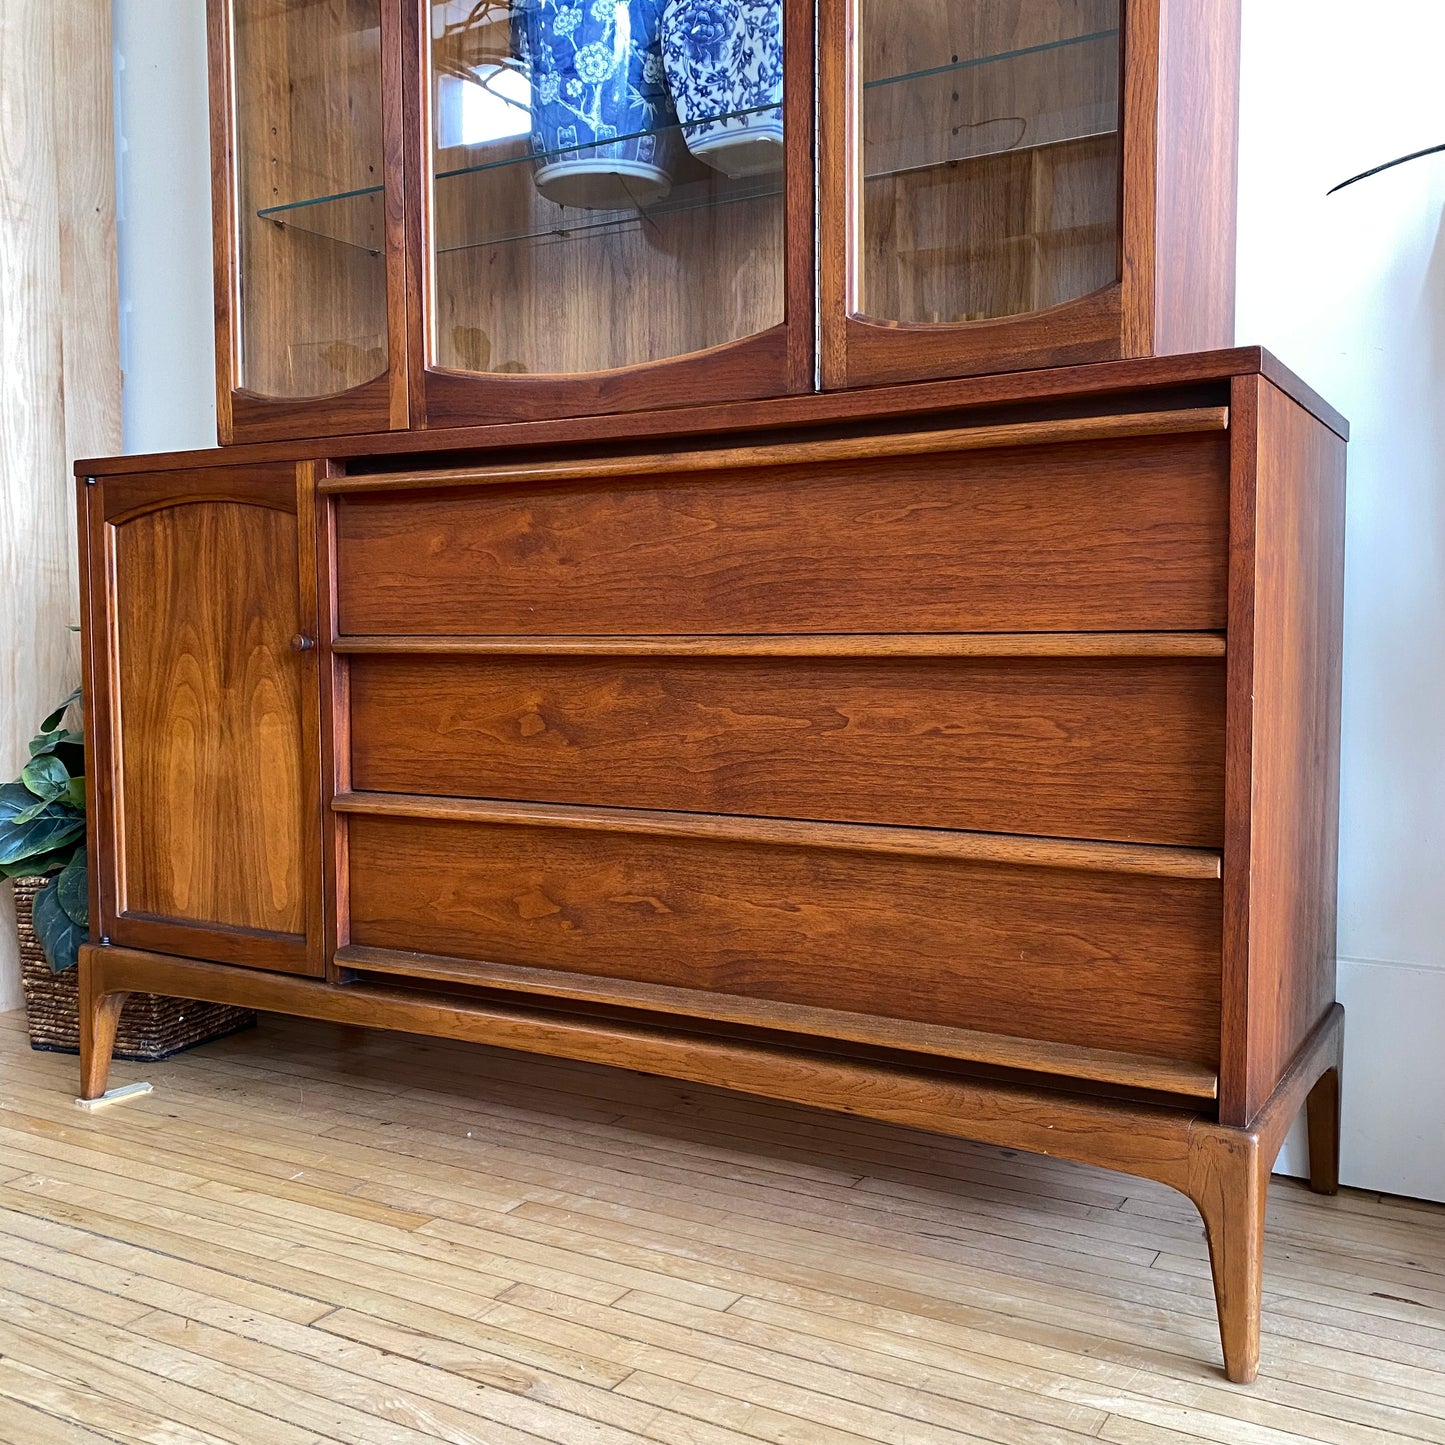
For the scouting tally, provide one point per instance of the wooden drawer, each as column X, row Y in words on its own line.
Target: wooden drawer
column 1121, row 534
column 1088, row 746
column 1118, row 950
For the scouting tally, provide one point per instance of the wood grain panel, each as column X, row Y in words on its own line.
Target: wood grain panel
column 1282, row 811
column 210, row 716
column 1123, row 750
column 1107, row 961
column 1055, row 431
column 1108, row 386
column 1136, row 538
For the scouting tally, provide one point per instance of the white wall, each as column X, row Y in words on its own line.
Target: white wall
column 164, row 204
column 1349, row 291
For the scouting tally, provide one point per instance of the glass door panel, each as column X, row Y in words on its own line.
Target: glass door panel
column 309, row 193
column 607, row 181
column 990, row 156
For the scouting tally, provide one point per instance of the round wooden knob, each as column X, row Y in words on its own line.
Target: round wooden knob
column 302, row 643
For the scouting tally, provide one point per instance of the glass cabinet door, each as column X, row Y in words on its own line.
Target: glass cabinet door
column 984, row 178
column 310, row 243
column 609, row 186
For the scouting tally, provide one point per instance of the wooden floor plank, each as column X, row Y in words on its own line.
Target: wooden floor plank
column 311, row 1235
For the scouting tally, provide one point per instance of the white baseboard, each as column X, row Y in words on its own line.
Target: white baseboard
column 1394, row 1104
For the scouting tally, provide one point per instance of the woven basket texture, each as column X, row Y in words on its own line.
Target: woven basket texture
column 151, row 1027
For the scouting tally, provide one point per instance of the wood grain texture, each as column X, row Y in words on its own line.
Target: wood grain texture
column 1113, row 749
column 1136, row 538
column 209, row 713
column 1282, row 808
column 1059, row 432
column 1144, row 860
column 1197, row 155
column 801, row 645
column 60, row 384
column 1190, row 379
column 1135, row 1071
column 1103, row 960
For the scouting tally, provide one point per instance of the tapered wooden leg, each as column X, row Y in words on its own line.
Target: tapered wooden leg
column 99, row 1018
column 1322, row 1112
column 1229, row 1181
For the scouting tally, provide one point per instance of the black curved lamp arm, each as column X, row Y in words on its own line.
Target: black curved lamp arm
column 1375, row 170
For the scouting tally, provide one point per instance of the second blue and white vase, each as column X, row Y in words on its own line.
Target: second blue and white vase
column 724, row 61
column 604, row 131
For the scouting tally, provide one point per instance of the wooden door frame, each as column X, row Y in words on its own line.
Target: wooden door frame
column 378, row 405
column 858, row 350
column 775, row 362
column 1178, row 142
column 102, row 505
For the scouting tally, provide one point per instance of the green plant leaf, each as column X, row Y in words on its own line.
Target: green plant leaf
column 60, row 936
column 53, row 721
column 47, row 742
column 73, row 889
column 54, row 826
column 30, row 814
column 75, row 793
column 47, row 777
column 39, row 867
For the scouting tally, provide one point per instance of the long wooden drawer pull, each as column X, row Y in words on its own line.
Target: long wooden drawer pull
column 832, row 449
column 1200, row 864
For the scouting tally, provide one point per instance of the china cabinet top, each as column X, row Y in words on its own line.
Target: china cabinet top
column 460, row 212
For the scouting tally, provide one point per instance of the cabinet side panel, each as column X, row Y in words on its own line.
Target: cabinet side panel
column 1197, row 154
column 1294, row 745
column 210, row 716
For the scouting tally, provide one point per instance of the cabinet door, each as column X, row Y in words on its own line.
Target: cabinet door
column 203, row 715
column 1024, row 184
column 972, row 222
column 617, row 207
column 307, row 184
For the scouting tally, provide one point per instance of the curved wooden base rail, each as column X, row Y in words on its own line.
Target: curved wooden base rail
column 1149, row 859
column 1224, row 1170
column 832, row 449
column 1104, row 1066
column 820, row 644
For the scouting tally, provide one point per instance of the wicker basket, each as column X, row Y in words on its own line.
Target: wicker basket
column 151, row 1027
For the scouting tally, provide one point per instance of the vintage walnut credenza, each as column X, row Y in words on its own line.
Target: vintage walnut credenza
column 834, row 632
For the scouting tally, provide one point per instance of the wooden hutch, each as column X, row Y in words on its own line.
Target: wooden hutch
column 850, row 632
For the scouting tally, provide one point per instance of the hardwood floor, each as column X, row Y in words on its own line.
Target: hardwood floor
column 312, row 1234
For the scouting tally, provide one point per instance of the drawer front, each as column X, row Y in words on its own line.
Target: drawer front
column 1099, row 536
column 1119, row 748
column 1102, row 960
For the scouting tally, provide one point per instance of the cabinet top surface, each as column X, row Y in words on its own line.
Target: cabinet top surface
column 871, row 405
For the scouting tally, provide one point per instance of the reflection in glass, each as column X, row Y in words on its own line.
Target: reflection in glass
column 577, row 223
column 990, row 156
column 311, row 232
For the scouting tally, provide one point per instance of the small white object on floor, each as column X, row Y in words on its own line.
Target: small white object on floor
column 114, row 1096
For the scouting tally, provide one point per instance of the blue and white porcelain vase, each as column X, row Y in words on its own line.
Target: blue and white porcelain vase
column 604, row 131
column 724, row 61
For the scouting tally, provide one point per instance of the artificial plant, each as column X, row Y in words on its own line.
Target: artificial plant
column 42, row 834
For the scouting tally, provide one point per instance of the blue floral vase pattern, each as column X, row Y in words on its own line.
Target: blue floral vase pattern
column 604, row 131
column 724, row 62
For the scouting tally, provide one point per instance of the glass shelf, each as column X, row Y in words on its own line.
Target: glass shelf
column 960, row 133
